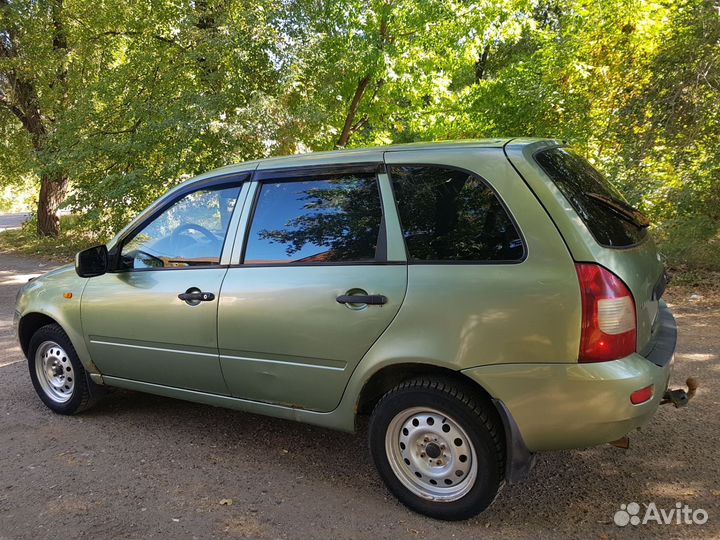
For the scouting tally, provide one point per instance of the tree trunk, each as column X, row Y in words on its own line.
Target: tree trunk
column 52, row 193
column 352, row 111
column 481, row 63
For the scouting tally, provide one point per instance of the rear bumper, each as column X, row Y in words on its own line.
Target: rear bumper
column 560, row 406
column 665, row 338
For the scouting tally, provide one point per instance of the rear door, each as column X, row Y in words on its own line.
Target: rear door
column 314, row 287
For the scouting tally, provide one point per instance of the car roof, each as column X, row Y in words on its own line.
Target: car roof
column 359, row 155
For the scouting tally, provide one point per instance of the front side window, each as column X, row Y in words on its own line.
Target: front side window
column 191, row 232
column 451, row 215
column 316, row 220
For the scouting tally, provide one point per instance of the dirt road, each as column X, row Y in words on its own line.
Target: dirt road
column 144, row 466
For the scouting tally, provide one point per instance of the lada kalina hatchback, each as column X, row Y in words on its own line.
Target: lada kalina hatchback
column 482, row 301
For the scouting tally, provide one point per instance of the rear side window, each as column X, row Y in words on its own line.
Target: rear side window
column 451, row 215
column 609, row 218
column 323, row 220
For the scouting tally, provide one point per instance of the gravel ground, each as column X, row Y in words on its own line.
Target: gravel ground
column 140, row 466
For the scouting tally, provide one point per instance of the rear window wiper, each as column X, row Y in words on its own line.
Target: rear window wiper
column 624, row 210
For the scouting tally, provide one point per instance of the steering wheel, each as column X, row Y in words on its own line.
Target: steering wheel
column 194, row 227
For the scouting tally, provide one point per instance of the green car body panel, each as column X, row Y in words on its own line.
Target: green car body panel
column 276, row 342
column 301, row 347
column 38, row 301
column 132, row 331
column 638, row 266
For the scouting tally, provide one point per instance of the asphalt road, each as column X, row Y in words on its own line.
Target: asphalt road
column 139, row 466
column 12, row 221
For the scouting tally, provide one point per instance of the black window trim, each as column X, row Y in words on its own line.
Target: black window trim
column 643, row 240
column 299, row 173
column 484, row 181
column 211, row 184
column 290, row 174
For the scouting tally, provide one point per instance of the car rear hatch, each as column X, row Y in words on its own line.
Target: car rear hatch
column 597, row 224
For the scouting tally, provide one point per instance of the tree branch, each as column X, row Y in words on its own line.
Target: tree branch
column 350, row 126
column 352, row 111
column 13, row 109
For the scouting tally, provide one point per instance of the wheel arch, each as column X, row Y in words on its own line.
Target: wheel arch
column 31, row 321
column 519, row 461
column 386, row 378
column 29, row 324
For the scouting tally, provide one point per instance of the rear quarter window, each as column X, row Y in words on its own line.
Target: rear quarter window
column 599, row 204
column 451, row 215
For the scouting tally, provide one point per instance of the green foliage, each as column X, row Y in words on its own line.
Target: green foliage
column 144, row 95
column 18, row 194
column 692, row 241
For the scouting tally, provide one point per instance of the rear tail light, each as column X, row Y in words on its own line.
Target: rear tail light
column 608, row 315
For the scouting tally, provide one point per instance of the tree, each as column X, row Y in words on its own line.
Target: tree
column 118, row 104
column 37, row 94
column 127, row 100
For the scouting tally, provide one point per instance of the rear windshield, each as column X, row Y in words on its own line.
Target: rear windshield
column 612, row 221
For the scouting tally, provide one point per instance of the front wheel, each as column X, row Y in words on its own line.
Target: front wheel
column 438, row 448
column 57, row 373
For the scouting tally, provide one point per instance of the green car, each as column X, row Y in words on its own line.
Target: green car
column 482, row 301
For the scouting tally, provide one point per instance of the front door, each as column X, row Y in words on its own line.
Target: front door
column 313, row 292
column 135, row 325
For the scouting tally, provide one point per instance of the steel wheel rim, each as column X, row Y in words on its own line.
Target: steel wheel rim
column 54, row 371
column 412, row 442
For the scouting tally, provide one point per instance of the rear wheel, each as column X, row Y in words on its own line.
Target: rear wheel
column 438, row 448
column 57, row 374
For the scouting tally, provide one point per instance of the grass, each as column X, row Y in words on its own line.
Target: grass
column 25, row 241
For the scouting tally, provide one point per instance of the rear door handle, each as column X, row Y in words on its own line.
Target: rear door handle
column 196, row 296
column 371, row 299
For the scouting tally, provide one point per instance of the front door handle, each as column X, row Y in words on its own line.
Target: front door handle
column 370, row 299
column 194, row 296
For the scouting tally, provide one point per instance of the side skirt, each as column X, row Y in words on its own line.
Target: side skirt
column 337, row 419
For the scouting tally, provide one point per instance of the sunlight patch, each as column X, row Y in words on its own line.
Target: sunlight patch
column 696, row 356
column 18, row 279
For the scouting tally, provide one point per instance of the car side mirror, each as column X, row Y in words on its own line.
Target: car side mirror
column 92, row 262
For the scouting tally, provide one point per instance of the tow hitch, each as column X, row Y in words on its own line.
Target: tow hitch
column 679, row 397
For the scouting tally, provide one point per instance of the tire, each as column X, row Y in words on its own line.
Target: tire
column 57, row 374
column 435, row 430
